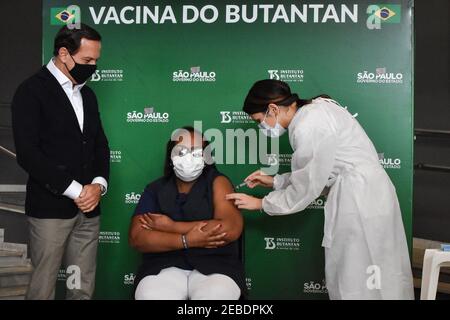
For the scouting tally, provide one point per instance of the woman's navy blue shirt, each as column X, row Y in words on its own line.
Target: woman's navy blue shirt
column 162, row 196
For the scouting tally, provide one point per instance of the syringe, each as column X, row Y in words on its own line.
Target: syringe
column 240, row 185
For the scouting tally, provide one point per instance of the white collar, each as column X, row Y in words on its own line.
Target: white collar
column 62, row 79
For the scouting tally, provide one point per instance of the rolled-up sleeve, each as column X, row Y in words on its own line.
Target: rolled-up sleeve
column 148, row 203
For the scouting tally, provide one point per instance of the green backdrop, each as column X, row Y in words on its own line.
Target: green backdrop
column 159, row 71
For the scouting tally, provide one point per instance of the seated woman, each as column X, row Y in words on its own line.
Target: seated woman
column 186, row 229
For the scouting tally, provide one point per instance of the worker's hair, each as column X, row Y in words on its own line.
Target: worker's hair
column 265, row 92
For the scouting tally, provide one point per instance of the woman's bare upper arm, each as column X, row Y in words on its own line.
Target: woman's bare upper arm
column 224, row 209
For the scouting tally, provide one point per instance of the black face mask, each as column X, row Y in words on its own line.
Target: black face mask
column 81, row 72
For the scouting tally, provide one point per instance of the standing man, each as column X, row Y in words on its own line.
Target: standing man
column 61, row 145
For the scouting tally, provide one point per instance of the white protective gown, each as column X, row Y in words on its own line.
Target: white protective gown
column 366, row 253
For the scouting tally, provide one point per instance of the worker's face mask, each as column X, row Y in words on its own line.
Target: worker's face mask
column 272, row 132
column 82, row 72
column 187, row 165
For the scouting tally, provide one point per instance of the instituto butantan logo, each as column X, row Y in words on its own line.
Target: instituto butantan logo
column 272, row 243
column 110, row 75
column 233, row 117
column 287, row 75
column 109, row 237
column 281, row 159
column 248, row 283
column 115, row 156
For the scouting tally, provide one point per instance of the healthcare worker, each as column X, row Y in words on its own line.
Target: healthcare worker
column 366, row 253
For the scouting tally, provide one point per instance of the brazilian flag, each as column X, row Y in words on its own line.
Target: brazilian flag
column 389, row 13
column 61, row 16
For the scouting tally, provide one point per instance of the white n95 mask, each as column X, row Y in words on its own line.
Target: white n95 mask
column 188, row 167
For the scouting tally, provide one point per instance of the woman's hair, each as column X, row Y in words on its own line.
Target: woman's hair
column 168, row 165
column 265, row 92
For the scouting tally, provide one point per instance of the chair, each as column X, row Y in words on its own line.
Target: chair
column 433, row 260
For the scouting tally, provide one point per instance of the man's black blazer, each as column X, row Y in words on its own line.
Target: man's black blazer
column 51, row 147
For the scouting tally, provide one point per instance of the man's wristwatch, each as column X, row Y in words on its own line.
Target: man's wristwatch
column 102, row 188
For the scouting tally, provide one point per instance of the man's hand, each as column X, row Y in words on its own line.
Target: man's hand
column 89, row 197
